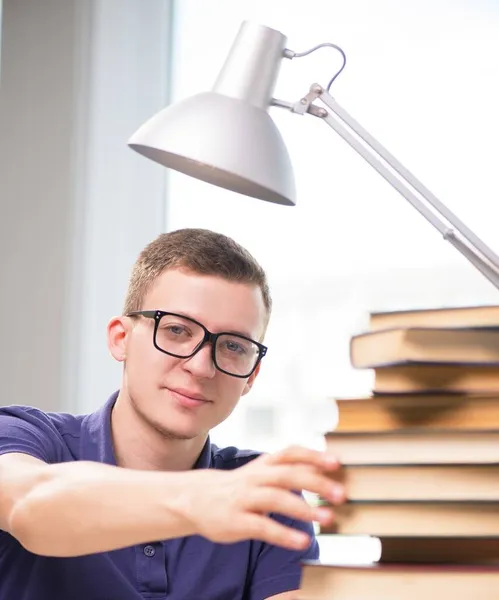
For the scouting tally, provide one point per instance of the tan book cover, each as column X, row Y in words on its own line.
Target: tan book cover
column 455, row 316
column 395, row 411
column 401, row 346
column 398, row 582
column 416, row 445
column 413, row 518
column 471, row 379
column 420, row 482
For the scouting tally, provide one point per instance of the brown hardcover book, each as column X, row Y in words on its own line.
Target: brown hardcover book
column 462, row 316
column 418, row 445
column 440, row 549
column 416, row 518
column 424, row 344
column 398, row 582
column 392, row 411
column 470, row 379
column 421, row 482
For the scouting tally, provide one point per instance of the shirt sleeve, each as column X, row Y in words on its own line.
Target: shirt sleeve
column 278, row 570
column 27, row 431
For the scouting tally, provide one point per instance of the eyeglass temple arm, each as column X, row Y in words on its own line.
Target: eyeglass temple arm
column 150, row 314
column 452, row 228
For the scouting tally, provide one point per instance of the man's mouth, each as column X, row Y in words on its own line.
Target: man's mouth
column 187, row 398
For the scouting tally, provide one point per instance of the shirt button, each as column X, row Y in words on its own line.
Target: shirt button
column 149, row 551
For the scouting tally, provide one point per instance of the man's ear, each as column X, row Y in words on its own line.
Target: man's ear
column 251, row 379
column 118, row 329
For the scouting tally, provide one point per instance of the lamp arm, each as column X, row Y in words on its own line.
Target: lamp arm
column 421, row 198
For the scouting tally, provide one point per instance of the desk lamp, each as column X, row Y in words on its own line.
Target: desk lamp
column 201, row 137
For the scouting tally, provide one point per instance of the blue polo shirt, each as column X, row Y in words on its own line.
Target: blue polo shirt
column 190, row 568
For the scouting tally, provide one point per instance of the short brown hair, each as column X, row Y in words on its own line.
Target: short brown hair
column 199, row 250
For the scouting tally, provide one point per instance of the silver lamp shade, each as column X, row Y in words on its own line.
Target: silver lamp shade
column 226, row 136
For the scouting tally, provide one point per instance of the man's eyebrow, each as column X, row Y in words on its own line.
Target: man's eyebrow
column 222, row 330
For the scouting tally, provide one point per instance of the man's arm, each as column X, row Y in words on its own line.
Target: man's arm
column 80, row 508
column 76, row 508
column 286, row 596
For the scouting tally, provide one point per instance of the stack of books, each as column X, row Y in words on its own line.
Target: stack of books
column 420, row 460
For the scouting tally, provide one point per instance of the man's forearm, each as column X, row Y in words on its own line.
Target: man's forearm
column 83, row 507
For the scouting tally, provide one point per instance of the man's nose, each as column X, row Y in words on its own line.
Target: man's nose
column 201, row 364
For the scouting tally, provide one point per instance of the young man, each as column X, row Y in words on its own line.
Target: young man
column 133, row 501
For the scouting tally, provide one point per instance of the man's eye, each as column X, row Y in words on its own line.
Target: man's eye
column 176, row 330
column 232, row 346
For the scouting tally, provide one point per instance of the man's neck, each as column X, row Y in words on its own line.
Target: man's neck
column 138, row 445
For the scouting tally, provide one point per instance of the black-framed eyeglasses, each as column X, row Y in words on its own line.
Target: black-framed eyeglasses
column 181, row 337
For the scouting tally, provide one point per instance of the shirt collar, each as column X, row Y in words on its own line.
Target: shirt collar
column 96, row 440
column 205, row 459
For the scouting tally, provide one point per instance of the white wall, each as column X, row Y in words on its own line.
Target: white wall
column 76, row 205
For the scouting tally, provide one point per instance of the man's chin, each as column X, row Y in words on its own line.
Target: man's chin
column 171, row 433
column 177, row 427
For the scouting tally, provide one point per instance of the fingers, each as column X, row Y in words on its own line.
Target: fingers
column 301, row 477
column 268, row 530
column 299, row 454
column 299, row 468
column 275, row 500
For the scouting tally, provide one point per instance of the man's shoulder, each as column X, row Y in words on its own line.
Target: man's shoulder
column 30, row 418
column 231, row 457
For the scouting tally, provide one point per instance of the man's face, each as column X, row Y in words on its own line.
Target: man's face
column 161, row 387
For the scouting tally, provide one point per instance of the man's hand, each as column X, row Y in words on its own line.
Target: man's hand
column 230, row 506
